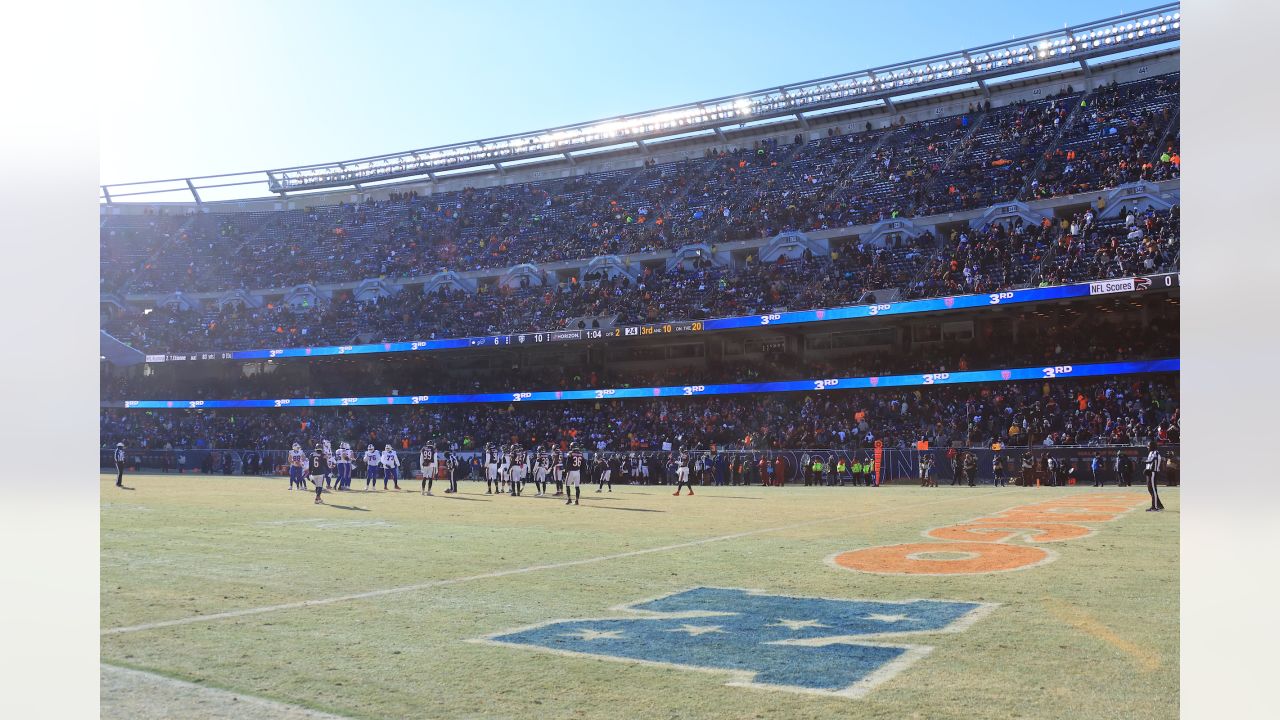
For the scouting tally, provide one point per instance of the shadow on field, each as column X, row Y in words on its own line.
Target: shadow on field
column 347, row 507
column 124, row 487
column 452, row 496
column 611, row 507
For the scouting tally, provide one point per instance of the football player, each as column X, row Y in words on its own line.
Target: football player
column 542, row 470
column 518, row 469
column 345, row 457
column 390, row 467
column 557, row 470
column 606, row 472
column 329, row 464
column 297, row 461
column 319, row 472
column 372, row 460
column 490, row 468
column 317, row 466
column 682, row 473
column 427, row 464
column 504, row 469
column 575, row 465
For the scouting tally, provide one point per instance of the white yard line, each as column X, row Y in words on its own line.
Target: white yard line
column 513, row 571
column 138, row 695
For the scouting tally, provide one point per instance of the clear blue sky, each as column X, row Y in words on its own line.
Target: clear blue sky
column 204, row 88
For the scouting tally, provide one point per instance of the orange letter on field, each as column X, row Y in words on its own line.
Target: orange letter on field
column 952, row 558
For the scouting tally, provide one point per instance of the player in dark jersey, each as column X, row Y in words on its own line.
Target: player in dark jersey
column 427, row 467
column 575, row 465
column 504, row 470
column 319, row 471
column 542, row 470
column 682, row 474
column 515, row 473
column 490, row 468
column 557, row 471
column 604, row 472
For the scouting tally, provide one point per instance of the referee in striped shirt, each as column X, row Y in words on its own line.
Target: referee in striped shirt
column 1153, row 463
column 119, row 458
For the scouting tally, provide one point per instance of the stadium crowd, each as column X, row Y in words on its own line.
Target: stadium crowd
column 1117, row 411
column 996, row 257
column 1068, row 337
column 1072, row 142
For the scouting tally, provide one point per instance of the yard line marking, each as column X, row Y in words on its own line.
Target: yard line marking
column 1082, row 620
column 513, row 571
column 138, row 694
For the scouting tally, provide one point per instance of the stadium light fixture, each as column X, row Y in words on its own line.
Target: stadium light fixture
column 1122, row 33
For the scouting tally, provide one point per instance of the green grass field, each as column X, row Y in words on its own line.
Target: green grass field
column 1093, row 634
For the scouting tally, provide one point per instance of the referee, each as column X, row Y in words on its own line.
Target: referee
column 119, row 464
column 1154, row 461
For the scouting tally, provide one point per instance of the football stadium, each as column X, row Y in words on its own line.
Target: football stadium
column 853, row 397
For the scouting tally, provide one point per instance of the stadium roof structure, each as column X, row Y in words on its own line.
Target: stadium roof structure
column 1043, row 51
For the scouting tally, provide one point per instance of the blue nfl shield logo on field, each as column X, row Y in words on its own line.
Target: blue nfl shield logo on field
column 778, row 642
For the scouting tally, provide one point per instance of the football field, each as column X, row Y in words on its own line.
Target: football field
column 235, row 597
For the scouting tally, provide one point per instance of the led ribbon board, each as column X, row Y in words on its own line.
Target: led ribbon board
column 958, row 302
column 955, row 378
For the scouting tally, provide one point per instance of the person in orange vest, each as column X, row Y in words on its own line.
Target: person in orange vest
column 780, row 471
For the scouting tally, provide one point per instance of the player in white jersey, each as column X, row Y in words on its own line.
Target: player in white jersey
column 490, row 468
column 345, row 456
column 427, row 463
column 390, row 467
column 682, row 473
column 297, row 464
column 330, row 464
column 372, row 461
